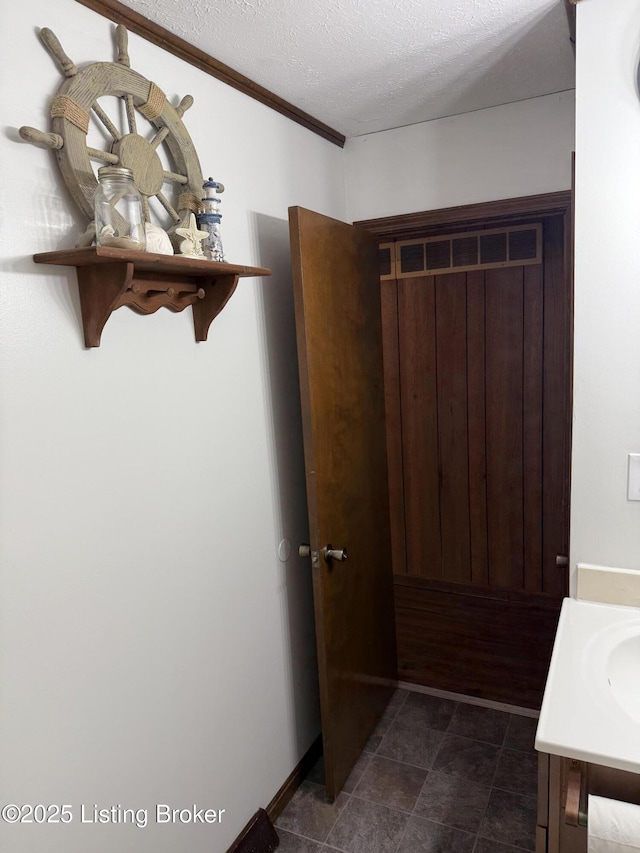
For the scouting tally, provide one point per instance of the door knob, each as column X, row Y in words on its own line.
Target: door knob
column 331, row 553
column 304, row 550
column 562, row 561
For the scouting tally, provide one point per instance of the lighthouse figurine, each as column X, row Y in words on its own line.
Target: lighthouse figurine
column 209, row 220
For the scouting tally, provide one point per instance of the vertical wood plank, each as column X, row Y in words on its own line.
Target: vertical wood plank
column 532, row 426
column 451, row 361
column 504, row 365
column 556, row 401
column 417, row 337
column 476, row 426
column 391, row 356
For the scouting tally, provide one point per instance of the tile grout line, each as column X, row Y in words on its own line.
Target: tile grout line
column 411, row 814
column 431, row 770
column 490, row 786
column 391, row 719
column 486, row 808
column 493, row 787
column 308, row 838
column 428, row 770
column 321, row 842
column 404, row 831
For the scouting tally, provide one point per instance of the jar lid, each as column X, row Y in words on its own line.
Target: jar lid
column 106, row 171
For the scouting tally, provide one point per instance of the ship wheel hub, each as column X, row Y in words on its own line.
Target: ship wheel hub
column 135, row 153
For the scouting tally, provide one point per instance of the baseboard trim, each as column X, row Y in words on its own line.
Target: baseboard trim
column 470, row 700
column 259, row 835
column 293, row 781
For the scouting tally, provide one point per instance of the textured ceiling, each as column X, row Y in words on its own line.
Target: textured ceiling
column 366, row 65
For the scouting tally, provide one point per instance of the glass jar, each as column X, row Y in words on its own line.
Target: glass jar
column 118, row 210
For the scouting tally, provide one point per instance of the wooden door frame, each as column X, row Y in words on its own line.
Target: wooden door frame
column 416, row 599
column 408, row 225
column 501, row 212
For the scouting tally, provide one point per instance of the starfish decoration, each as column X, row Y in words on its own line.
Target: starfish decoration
column 191, row 244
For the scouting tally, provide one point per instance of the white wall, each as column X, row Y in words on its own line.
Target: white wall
column 605, row 527
column 153, row 649
column 514, row 150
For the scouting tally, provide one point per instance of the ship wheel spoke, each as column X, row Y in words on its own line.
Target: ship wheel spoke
column 106, row 121
column 131, row 114
column 164, row 201
column 145, row 209
column 159, row 137
column 175, row 177
column 95, row 154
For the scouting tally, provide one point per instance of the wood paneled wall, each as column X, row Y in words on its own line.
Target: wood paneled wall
column 478, row 375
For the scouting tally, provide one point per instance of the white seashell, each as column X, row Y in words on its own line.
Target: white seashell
column 158, row 241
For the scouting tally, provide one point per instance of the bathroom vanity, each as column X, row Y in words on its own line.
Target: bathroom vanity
column 563, row 788
column 588, row 736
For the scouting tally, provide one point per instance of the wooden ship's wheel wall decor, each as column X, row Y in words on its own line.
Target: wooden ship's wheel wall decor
column 77, row 100
column 109, row 278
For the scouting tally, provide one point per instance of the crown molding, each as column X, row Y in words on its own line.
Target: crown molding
column 136, row 23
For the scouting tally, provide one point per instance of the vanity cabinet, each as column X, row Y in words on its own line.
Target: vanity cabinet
column 588, row 732
column 564, row 785
column 553, row 833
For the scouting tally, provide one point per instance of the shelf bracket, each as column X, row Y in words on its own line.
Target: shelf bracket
column 110, row 278
column 101, row 289
column 218, row 291
column 106, row 287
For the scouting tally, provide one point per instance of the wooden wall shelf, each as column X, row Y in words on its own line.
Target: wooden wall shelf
column 110, row 278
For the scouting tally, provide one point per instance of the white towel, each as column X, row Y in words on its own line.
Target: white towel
column 614, row 827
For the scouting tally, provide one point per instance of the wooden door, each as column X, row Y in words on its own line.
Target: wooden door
column 478, row 363
column 338, row 324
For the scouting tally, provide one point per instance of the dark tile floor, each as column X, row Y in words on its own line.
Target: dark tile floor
column 437, row 776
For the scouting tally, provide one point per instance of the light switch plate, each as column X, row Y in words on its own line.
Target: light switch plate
column 633, row 480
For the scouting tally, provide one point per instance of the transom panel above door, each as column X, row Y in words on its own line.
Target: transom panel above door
column 516, row 245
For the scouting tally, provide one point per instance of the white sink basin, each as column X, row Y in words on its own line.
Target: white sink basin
column 591, row 706
column 616, row 651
